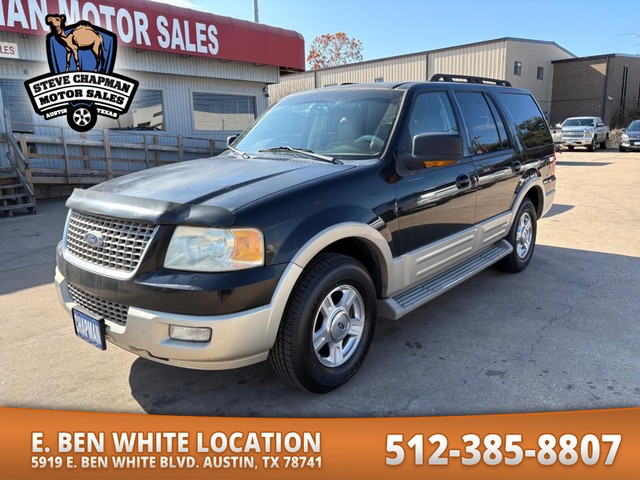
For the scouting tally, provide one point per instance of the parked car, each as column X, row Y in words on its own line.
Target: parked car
column 586, row 132
column 630, row 139
column 337, row 206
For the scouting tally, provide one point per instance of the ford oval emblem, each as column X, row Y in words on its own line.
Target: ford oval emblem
column 93, row 239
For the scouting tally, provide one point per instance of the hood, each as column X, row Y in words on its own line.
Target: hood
column 226, row 182
column 635, row 134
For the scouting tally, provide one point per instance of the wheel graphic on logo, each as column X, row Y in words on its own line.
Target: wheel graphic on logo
column 82, row 118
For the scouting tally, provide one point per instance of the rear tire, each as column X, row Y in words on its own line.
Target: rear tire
column 327, row 328
column 522, row 238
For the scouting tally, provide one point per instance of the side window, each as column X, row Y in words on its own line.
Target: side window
column 483, row 131
column 530, row 122
column 432, row 113
column 504, row 139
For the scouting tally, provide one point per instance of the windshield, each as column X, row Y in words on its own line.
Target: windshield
column 634, row 126
column 339, row 123
column 578, row 122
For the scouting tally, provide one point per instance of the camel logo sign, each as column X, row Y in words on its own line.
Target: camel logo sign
column 81, row 84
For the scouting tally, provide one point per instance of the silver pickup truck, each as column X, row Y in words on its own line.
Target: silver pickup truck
column 584, row 132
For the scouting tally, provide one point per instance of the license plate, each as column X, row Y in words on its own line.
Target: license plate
column 636, row 143
column 88, row 328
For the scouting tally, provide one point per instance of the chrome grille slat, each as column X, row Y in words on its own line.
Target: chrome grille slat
column 123, row 246
column 111, row 311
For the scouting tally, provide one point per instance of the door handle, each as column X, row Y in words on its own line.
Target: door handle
column 516, row 166
column 463, row 181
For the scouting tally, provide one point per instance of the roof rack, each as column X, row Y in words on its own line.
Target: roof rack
column 444, row 77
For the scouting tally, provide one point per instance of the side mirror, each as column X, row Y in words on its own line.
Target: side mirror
column 231, row 139
column 600, row 125
column 434, row 147
column 558, row 125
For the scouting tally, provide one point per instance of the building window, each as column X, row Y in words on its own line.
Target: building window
column 16, row 101
column 146, row 111
column 540, row 75
column 378, row 80
column 213, row 111
column 517, row 68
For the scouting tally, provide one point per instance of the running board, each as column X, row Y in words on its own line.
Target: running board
column 399, row 305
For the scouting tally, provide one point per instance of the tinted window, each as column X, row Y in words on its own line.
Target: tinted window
column 482, row 127
column 529, row 120
column 504, row 139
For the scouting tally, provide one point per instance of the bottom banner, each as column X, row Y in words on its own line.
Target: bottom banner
column 76, row 445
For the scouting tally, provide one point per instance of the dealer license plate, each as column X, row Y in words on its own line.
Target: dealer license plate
column 88, row 328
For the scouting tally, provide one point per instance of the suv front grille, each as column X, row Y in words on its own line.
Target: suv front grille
column 111, row 311
column 122, row 245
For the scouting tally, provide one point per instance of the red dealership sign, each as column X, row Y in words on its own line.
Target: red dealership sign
column 155, row 26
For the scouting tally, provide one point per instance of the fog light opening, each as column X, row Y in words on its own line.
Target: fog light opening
column 190, row 334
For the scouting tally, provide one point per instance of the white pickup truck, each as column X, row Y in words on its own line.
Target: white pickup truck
column 586, row 132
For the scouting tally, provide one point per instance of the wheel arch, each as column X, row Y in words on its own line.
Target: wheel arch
column 362, row 242
column 533, row 189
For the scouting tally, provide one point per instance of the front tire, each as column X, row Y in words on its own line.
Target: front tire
column 603, row 145
column 622, row 149
column 522, row 238
column 592, row 146
column 328, row 325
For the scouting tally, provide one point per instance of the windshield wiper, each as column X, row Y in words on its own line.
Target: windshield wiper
column 239, row 152
column 302, row 151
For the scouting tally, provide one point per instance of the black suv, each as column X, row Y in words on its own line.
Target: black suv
column 337, row 206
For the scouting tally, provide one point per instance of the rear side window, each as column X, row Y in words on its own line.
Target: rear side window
column 529, row 120
column 481, row 123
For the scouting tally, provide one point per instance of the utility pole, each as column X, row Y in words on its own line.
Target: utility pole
column 255, row 11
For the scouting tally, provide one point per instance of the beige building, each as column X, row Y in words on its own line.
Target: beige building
column 525, row 63
column 607, row 86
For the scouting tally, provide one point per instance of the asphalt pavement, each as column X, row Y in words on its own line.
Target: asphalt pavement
column 562, row 335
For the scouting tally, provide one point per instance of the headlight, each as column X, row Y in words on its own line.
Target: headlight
column 588, row 133
column 198, row 249
column 624, row 137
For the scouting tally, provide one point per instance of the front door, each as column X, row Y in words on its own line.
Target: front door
column 439, row 200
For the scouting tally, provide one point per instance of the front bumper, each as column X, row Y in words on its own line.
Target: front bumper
column 577, row 142
column 631, row 144
column 238, row 339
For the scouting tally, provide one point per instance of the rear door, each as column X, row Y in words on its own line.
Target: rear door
column 494, row 152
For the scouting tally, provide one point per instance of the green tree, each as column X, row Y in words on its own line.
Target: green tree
column 333, row 49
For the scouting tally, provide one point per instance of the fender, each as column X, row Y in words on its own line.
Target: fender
column 314, row 246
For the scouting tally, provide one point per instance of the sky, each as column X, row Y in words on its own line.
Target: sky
column 395, row 27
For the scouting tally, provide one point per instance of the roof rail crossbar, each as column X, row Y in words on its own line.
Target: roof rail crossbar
column 445, row 77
